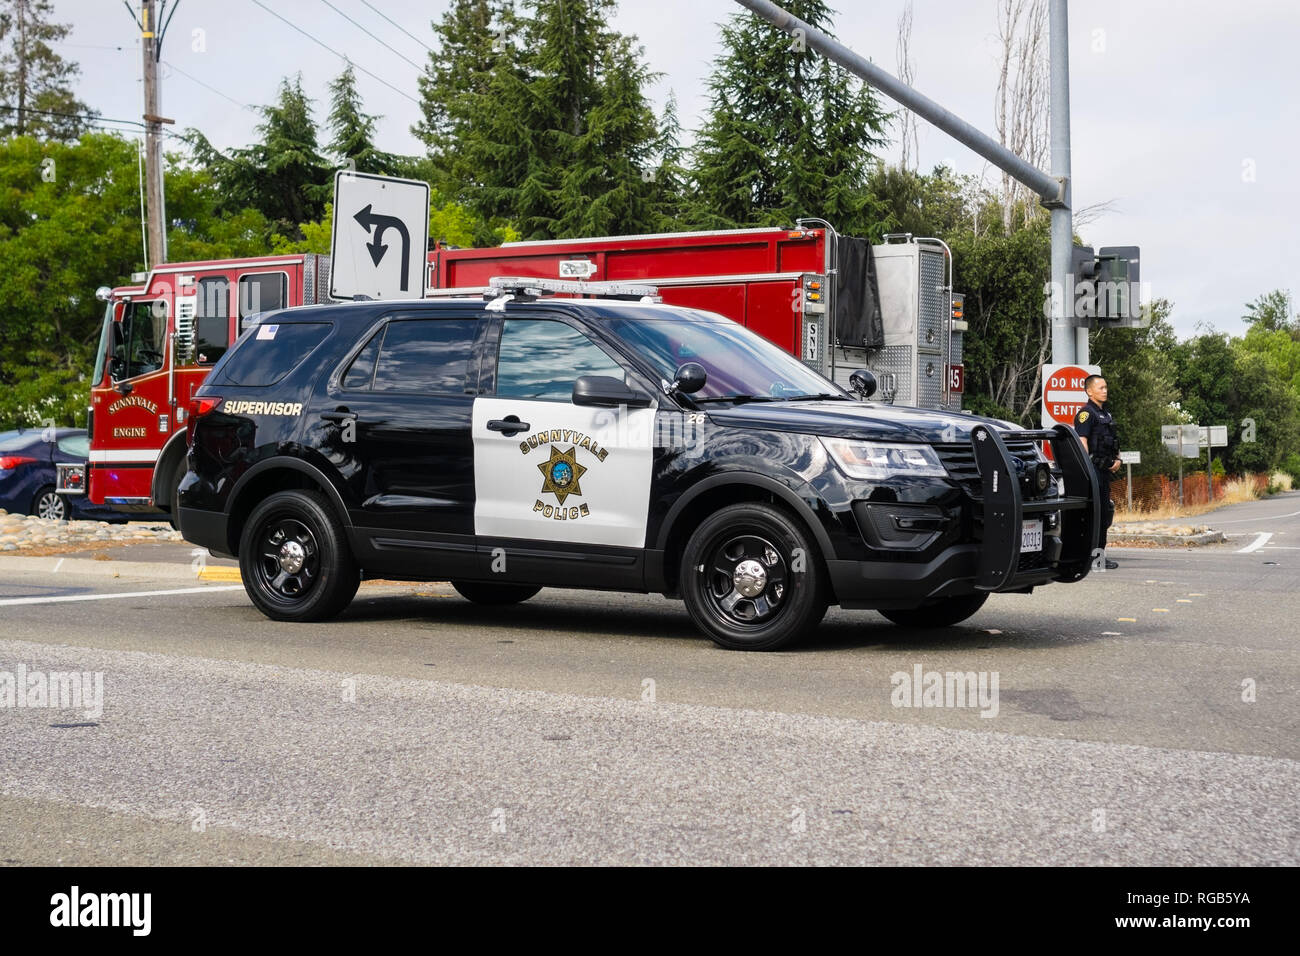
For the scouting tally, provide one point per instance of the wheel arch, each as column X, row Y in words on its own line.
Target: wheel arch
column 272, row 475
column 718, row 491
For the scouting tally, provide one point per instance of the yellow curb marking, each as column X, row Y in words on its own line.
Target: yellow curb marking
column 219, row 573
column 1160, row 610
column 1195, row 594
column 1184, row 601
column 1130, row 620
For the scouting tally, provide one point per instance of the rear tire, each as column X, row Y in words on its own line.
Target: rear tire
column 740, row 583
column 480, row 592
column 943, row 612
column 51, row 505
column 295, row 560
column 174, row 495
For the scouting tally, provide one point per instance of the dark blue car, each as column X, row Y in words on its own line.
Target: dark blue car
column 27, row 474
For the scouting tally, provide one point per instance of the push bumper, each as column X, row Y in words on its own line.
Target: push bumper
column 993, row 564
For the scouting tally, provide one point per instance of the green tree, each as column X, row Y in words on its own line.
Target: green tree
column 284, row 176
column 35, row 82
column 1272, row 313
column 472, row 36
column 353, row 130
column 788, row 133
column 1135, row 363
column 562, row 142
column 50, row 267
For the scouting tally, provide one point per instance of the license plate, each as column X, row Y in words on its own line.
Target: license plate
column 1031, row 536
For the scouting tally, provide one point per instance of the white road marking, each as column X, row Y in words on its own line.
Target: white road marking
column 1260, row 539
column 1259, row 519
column 57, row 564
column 8, row 602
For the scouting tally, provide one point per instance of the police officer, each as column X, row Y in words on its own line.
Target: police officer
column 1096, row 428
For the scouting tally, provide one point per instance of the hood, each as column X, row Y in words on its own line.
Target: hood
column 865, row 420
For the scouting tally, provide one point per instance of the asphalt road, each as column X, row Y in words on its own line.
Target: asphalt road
column 1149, row 715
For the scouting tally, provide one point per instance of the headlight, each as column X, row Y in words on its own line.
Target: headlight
column 874, row 461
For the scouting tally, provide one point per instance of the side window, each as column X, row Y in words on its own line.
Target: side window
column 362, row 370
column 542, row 358
column 262, row 292
column 212, row 320
column 425, row 355
column 138, row 349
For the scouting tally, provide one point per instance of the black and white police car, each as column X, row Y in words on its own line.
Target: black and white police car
column 515, row 442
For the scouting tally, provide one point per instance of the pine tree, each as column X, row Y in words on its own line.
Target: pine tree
column 472, row 37
column 353, row 129
column 788, row 133
column 558, row 138
column 283, row 176
column 35, row 92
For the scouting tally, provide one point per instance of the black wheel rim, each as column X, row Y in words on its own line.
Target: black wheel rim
column 288, row 559
column 50, row 506
column 746, row 580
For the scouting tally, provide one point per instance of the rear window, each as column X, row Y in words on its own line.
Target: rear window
column 425, row 355
column 78, row 445
column 269, row 352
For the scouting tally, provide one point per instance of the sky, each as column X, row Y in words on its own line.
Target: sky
column 1183, row 114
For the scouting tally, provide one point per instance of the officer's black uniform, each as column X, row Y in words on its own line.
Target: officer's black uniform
column 1098, row 427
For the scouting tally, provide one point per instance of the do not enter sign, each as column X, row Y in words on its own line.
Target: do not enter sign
column 1063, row 393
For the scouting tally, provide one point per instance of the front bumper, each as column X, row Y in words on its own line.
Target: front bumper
column 994, row 563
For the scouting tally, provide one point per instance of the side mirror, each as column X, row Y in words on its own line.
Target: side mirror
column 124, row 388
column 864, row 383
column 690, row 378
column 605, row 391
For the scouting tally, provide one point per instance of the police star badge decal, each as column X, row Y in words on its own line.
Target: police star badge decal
column 562, row 472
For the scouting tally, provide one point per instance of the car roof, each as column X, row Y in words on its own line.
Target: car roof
column 364, row 312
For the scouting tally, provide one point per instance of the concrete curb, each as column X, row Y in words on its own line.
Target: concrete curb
column 1168, row 540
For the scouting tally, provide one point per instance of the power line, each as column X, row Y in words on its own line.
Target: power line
column 91, row 119
column 398, row 25
column 195, row 79
column 336, row 52
column 369, row 34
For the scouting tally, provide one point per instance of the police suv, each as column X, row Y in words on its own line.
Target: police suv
column 515, row 442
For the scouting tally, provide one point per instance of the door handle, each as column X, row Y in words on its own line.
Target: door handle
column 338, row 417
column 508, row 426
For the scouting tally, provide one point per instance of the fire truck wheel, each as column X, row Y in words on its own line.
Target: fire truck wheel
column 50, row 504
column 498, row 594
column 751, row 578
column 943, row 612
column 294, row 558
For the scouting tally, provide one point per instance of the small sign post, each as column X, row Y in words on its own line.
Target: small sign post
column 1130, row 458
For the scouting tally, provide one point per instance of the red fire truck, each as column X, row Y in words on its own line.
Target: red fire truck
column 839, row 303
column 158, row 340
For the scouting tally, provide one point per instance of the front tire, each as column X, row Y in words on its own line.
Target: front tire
column 751, row 578
column 494, row 595
column 943, row 612
column 51, row 505
column 295, row 560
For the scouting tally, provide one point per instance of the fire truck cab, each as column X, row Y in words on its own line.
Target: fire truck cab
column 158, row 340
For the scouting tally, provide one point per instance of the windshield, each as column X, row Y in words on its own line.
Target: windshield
column 739, row 363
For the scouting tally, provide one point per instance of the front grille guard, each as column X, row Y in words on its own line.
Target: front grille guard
column 1005, row 508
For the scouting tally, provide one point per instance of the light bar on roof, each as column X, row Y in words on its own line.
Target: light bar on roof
column 520, row 285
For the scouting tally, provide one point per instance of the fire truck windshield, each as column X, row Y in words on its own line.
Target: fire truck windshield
column 138, row 340
column 105, row 336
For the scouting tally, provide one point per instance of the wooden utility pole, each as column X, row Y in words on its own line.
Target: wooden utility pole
column 151, row 46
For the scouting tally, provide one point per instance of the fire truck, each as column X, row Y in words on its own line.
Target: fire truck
column 159, row 338
column 839, row 303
